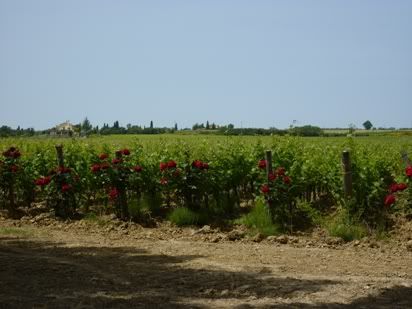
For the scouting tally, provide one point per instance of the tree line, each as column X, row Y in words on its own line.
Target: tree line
column 85, row 128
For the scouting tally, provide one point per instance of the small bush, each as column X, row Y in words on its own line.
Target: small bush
column 345, row 227
column 259, row 220
column 183, row 216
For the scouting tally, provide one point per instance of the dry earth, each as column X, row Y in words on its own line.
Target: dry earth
column 46, row 263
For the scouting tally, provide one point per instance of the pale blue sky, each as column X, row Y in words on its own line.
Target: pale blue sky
column 259, row 63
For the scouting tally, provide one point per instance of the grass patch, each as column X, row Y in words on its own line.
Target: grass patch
column 184, row 216
column 259, row 220
column 343, row 226
column 92, row 217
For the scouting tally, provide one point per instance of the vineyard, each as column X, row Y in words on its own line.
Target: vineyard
column 203, row 179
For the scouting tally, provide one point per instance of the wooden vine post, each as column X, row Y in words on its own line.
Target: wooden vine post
column 60, row 157
column 347, row 174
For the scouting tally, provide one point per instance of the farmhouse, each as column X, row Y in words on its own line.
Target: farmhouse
column 65, row 128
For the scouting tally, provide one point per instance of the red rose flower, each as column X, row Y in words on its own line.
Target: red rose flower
column 280, row 171
column 408, row 171
column 14, row 168
column 8, row 152
column 262, row 164
column 390, row 199
column 117, row 161
column 265, row 189
column 205, row 165
column 119, row 153
column 137, row 168
column 164, row 181
column 43, row 181
column 66, row 187
column 113, row 194
column 103, row 156
column 163, row 166
column 286, row 180
column 197, row 164
column 272, row 177
column 402, row 186
column 12, row 152
column 171, row 164
column 393, row 188
column 125, row 151
column 95, row 168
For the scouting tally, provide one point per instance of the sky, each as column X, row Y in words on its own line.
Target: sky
column 250, row 63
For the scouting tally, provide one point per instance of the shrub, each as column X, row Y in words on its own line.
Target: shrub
column 306, row 131
column 114, row 176
column 278, row 193
column 60, row 187
column 184, row 216
column 259, row 220
column 345, row 226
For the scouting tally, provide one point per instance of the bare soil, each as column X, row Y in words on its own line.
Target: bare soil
column 46, row 263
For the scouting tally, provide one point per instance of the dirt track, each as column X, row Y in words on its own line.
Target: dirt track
column 61, row 266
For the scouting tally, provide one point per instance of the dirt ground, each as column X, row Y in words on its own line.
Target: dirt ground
column 46, row 263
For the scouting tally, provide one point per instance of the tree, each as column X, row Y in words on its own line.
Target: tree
column 5, row 131
column 367, row 125
column 207, row 125
column 306, row 131
column 151, row 124
column 86, row 127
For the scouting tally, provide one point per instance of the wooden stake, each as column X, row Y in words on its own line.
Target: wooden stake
column 347, row 174
column 60, row 157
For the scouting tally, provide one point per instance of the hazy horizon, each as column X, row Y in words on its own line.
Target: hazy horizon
column 253, row 64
